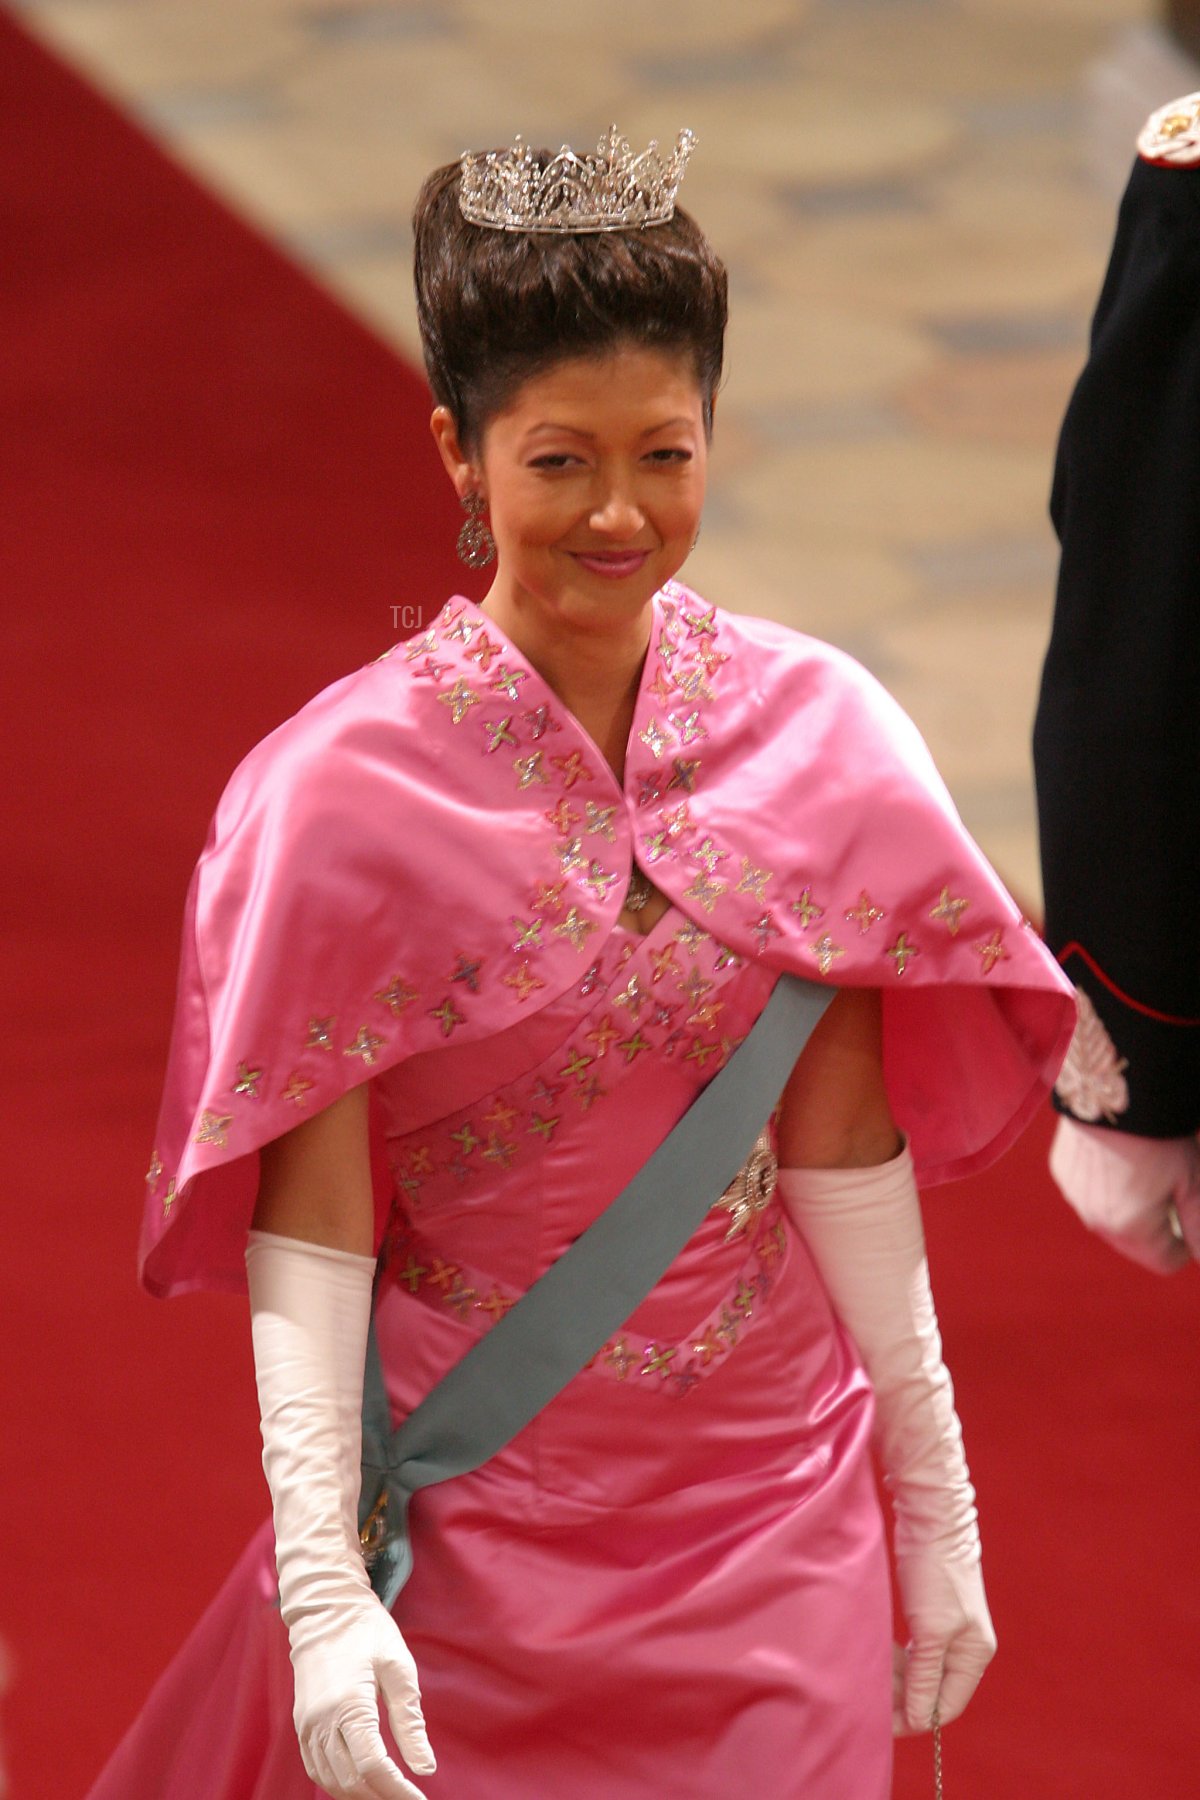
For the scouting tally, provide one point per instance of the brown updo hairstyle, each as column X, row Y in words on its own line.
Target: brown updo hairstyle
column 495, row 307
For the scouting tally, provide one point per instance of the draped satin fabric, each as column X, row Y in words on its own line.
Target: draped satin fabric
column 674, row 1580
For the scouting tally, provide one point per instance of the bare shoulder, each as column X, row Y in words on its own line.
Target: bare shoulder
column 835, row 1112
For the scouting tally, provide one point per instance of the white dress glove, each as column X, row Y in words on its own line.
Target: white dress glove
column 310, row 1309
column 863, row 1227
column 1142, row 1195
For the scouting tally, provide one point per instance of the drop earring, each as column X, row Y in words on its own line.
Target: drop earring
column 476, row 545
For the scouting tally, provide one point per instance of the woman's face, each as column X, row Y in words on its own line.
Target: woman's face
column 594, row 478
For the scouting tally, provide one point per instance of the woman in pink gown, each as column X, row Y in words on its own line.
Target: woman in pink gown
column 527, row 881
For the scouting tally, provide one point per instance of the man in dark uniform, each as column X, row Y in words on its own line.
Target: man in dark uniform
column 1117, row 738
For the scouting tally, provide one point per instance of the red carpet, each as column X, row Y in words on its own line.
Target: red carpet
column 217, row 487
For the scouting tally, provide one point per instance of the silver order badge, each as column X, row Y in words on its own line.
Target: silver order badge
column 752, row 1187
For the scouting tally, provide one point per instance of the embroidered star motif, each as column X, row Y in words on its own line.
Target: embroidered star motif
column 508, row 681
column 577, row 1063
column 695, row 987
column 529, row 935
column 753, row 881
column 466, row 1139
column 247, row 1081
column 865, row 913
column 169, row 1198
column 540, row 721
column 460, row 628
column 431, row 670
column 694, row 686
column 678, row 820
column 617, row 1356
column 599, row 878
column 396, row 996
column 444, row 1274
column 154, row 1171
column 706, row 891
column 710, row 657
column 633, row 1046
column 422, row 646
column 709, row 1346
column 700, row 625
column 661, row 687
column 524, row 981
column 367, row 1045
column 320, row 1034
column 634, row 996
column 992, row 951
column 460, row 699
column 807, row 910
column 691, row 936
column 575, row 927
column 604, row 1034
column 412, row 1274
column 501, row 1115
column 485, row 652
column 657, row 846
column 543, row 1127
column 653, row 787
column 599, row 822
column 655, row 739
column 448, row 1016
column 497, row 1150
column 499, row 732
column 572, row 768
column 700, row 1051
column 296, row 1089
column 949, row 911
column 529, row 769
column 562, row 815
column 683, row 773
column 902, row 952
column 495, row 1304
column 826, row 952
column 664, row 962
column 213, row 1128
column 705, row 1016
column 570, row 854
column 708, row 856
column 658, row 1359
column 466, row 970
column 689, row 729
column 548, row 897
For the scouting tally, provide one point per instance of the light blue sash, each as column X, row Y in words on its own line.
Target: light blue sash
column 571, row 1311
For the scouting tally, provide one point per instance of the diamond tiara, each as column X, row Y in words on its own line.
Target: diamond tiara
column 509, row 190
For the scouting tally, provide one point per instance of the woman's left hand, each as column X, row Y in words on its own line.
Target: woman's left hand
column 951, row 1639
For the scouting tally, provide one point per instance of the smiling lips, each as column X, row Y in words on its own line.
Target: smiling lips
column 615, row 564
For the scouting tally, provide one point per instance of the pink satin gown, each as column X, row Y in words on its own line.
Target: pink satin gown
column 674, row 1581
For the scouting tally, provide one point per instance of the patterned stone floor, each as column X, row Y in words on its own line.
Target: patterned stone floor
column 915, row 199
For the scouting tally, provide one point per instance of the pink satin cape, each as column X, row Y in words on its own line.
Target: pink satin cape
column 433, row 850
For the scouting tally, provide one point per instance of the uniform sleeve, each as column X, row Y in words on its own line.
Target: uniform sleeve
column 1117, row 736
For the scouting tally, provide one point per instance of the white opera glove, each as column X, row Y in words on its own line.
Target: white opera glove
column 310, row 1310
column 863, row 1227
column 1142, row 1195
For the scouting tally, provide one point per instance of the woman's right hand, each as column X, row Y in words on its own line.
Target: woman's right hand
column 343, row 1655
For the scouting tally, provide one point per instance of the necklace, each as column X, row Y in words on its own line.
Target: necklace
column 638, row 892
